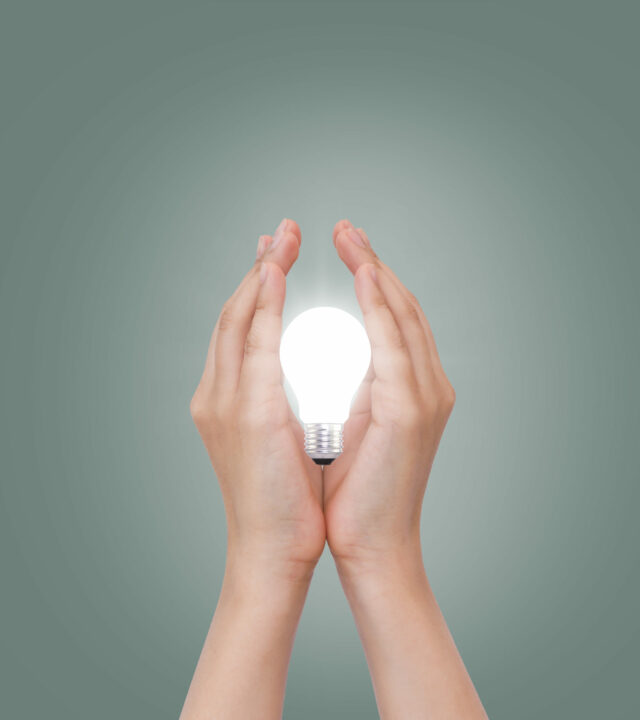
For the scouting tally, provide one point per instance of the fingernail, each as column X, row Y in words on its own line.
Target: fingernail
column 263, row 244
column 355, row 237
column 277, row 236
column 373, row 274
column 264, row 271
column 364, row 237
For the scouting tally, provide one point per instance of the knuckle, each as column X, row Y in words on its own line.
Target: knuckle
column 411, row 312
column 199, row 409
column 206, row 413
column 449, row 396
column 395, row 340
column 251, row 344
column 446, row 398
column 261, row 304
column 399, row 354
column 378, row 302
column 226, row 318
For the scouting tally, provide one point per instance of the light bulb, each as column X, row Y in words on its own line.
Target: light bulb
column 325, row 354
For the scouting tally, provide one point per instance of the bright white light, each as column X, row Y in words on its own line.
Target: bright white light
column 325, row 354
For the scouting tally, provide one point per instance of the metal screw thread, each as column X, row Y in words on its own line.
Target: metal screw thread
column 323, row 441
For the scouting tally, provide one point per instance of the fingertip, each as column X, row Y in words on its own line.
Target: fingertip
column 293, row 227
column 271, row 272
column 284, row 251
column 290, row 250
column 286, row 226
column 297, row 242
column 339, row 226
column 352, row 253
column 366, row 273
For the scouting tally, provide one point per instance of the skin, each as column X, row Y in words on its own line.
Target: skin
column 281, row 508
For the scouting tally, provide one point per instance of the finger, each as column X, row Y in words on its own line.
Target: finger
column 408, row 320
column 354, row 249
column 431, row 343
column 261, row 369
column 231, row 330
column 293, row 227
column 339, row 226
column 389, row 353
column 283, row 247
column 208, row 373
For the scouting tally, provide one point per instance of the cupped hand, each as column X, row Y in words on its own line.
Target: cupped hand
column 373, row 492
column 272, row 491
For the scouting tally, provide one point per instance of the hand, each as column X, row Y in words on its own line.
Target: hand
column 272, row 491
column 272, row 495
column 373, row 497
column 373, row 492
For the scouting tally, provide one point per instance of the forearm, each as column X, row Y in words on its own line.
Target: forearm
column 242, row 670
column 415, row 667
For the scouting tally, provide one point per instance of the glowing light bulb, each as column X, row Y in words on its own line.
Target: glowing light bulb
column 325, row 354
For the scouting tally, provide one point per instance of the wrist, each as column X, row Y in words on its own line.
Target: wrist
column 258, row 595
column 264, row 569
column 401, row 565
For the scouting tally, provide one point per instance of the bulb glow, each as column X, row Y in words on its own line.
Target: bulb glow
column 325, row 354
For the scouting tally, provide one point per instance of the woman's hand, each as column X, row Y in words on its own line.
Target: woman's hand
column 272, row 491
column 272, row 495
column 373, row 499
column 374, row 490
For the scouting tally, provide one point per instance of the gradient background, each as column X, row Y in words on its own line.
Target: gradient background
column 491, row 152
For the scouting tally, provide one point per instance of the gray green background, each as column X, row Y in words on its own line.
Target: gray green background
column 491, row 151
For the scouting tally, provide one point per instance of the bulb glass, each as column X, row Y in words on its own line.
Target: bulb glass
column 325, row 354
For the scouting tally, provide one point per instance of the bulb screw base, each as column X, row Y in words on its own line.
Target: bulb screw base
column 323, row 441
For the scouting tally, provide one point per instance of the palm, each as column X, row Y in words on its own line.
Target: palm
column 298, row 490
column 296, row 463
column 361, row 487
column 345, row 481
